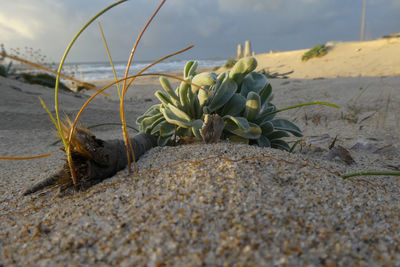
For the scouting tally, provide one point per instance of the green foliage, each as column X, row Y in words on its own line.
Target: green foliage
column 42, row 79
column 5, row 71
column 317, row 51
column 230, row 63
column 241, row 97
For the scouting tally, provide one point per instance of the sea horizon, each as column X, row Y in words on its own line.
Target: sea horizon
column 90, row 71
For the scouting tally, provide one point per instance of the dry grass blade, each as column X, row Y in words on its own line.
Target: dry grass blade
column 162, row 59
column 59, row 127
column 125, row 88
column 110, row 59
column 24, row 158
column 27, row 62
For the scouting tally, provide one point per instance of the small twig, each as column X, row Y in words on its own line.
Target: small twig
column 25, row 158
column 387, row 173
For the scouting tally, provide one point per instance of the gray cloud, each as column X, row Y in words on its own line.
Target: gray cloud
column 215, row 27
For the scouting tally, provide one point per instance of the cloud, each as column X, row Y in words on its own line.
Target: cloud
column 215, row 27
column 19, row 19
column 396, row 4
column 30, row 20
column 9, row 27
column 236, row 6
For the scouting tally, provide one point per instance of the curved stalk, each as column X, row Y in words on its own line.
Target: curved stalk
column 110, row 59
column 125, row 88
column 302, row 105
column 59, row 127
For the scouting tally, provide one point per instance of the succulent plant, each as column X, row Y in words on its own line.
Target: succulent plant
column 241, row 97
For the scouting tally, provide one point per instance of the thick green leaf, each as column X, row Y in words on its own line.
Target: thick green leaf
column 162, row 141
column 234, row 106
column 190, row 68
column 146, row 124
column 222, row 94
column 184, row 131
column 184, row 98
column 254, row 131
column 222, row 76
column 163, row 98
column 253, row 82
column 285, row 125
column 197, row 125
column 203, row 79
column 263, row 141
column 253, row 106
column 242, row 68
column 176, row 116
column 280, row 144
column 277, row 135
column 167, row 87
column 266, row 114
column 241, row 122
column 197, row 109
column 266, row 94
column 179, row 113
column 203, row 96
column 155, row 124
column 192, row 111
column 166, row 129
column 266, row 127
column 156, row 128
column 153, row 110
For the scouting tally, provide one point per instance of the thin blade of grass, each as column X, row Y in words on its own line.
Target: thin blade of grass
column 59, row 128
column 122, row 113
column 48, row 111
column 387, row 173
column 24, row 158
column 304, row 104
column 158, row 61
column 110, row 59
column 294, row 145
column 111, row 124
column 137, row 42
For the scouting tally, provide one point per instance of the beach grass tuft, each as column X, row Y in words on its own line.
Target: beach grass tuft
column 317, row 51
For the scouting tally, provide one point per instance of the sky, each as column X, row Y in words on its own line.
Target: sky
column 214, row 27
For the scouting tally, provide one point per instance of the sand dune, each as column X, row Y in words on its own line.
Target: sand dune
column 350, row 59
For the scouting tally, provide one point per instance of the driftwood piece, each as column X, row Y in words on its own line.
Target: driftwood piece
column 95, row 160
column 341, row 153
column 212, row 128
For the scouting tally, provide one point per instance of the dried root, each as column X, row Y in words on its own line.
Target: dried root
column 94, row 159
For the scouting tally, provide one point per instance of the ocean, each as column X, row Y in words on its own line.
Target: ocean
column 103, row 70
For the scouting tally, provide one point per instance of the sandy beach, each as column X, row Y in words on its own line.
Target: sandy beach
column 218, row 204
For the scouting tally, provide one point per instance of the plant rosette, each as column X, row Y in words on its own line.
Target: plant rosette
column 240, row 96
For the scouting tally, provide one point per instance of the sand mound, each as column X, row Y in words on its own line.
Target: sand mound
column 350, row 59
